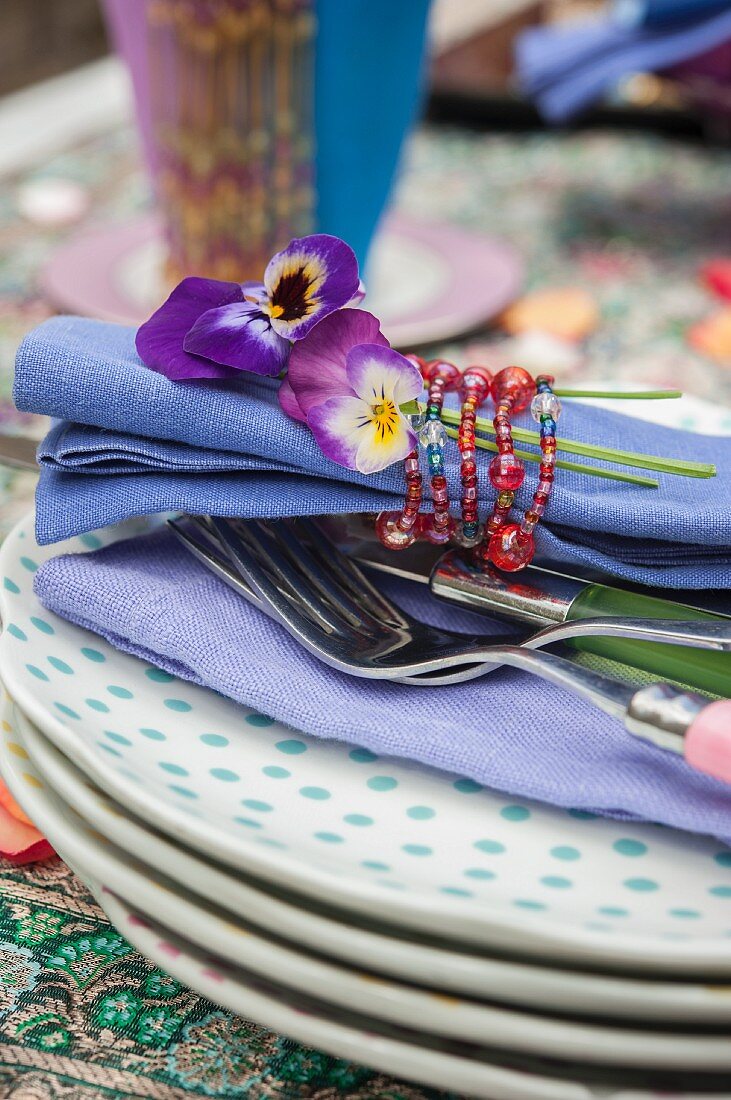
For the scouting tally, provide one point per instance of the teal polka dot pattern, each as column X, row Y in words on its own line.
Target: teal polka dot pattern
column 275, row 772
column 152, row 734
column 382, row 783
column 118, row 738
column 362, row 756
column 720, row 891
column 627, row 847
column 178, row 705
column 329, row 838
column 29, row 564
column 215, row 740
column 420, row 813
column 96, row 704
column 249, row 822
column 612, row 911
column 260, row 720
column 556, row 882
column 291, row 747
column 158, row 675
column 456, row 891
column 42, row 625
column 374, row 865
column 184, row 792
column 684, row 914
column 225, row 775
column 173, row 769
column 582, row 815
column 92, row 655
column 16, row 632
column 723, row 859
column 119, row 692
column 37, row 672
column 91, row 542
column 480, row 873
column 10, row 586
column 492, row 847
column 61, row 666
column 257, row 804
column 466, row 786
column 515, row 813
column 359, row 820
column 641, row 885
column 528, row 903
column 416, row 849
column 317, row 793
column 67, row 711
column 565, row 852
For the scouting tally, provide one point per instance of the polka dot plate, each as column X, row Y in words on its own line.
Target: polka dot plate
column 480, row 977
column 473, row 1031
column 392, row 841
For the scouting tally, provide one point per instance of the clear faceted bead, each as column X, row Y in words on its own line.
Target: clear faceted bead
column 545, row 404
column 433, row 433
column 417, row 420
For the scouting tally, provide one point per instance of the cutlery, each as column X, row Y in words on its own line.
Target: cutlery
column 541, row 596
column 341, row 618
column 717, row 637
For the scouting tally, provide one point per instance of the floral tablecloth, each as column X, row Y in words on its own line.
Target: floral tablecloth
column 628, row 218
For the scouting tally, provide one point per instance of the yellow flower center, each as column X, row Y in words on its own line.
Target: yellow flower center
column 384, row 418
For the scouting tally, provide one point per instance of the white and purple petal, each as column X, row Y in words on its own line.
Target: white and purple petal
column 317, row 364
column 159, row 341
column 375, row 373
column 310, row 279
column 239, row 336
column 379, row 449
column 339, row 426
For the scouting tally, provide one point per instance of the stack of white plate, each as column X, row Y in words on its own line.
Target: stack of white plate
column 383, row 912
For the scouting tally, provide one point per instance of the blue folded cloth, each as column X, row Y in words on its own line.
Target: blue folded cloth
column 566, row 67
column 134, row 443
column 509, row 731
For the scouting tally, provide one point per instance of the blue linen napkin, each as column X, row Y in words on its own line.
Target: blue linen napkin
column 568, row 66
column 509, row 730
column 134, row 443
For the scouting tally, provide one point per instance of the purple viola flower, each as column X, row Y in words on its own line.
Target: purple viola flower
column 211, row 329
column 348, row 385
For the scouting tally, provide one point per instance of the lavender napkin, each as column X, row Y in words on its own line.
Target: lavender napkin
column 131, row 443
column 508, row 730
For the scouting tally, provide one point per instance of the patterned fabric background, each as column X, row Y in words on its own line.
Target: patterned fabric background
column 629, row 218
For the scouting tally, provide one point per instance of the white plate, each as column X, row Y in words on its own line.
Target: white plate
column 452, row 1018
column 483, row 978
column 415, row 846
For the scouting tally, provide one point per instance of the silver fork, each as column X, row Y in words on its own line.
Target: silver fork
column 293, row 572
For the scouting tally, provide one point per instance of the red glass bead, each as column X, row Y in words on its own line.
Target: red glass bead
column 469, row 480
column 511, row 549
column 418, row 362
column 392, row 534
column 515, row 383
column 506, row 471
column 439, row 481
column 435, row 532
column 440, row 371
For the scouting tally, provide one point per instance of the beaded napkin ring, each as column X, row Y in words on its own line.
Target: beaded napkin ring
column 474, row 391
column 512, row 547
column 441, row 377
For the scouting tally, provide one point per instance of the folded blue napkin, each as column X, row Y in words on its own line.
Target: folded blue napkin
column 130, row 442
column 567, row 67
column 508, row 730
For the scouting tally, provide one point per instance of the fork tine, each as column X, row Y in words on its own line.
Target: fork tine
column 265, row 567
column 323, row 577
column 211, row 559
column 350, row 575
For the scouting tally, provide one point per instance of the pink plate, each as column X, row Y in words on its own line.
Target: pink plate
column 427, row 282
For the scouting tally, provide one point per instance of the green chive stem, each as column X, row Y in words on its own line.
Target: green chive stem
column 640, row 395
column 563, row 464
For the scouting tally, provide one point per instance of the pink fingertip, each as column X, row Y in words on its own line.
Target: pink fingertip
column 708, row 741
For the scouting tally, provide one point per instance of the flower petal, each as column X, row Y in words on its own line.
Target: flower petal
column 159, row 341
column 375, row 372
column 348, row 431
column 337, row 427
column 239, row 336
column 289, row 402
column 310, row 279
column 317, row 364
column 358, row 296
